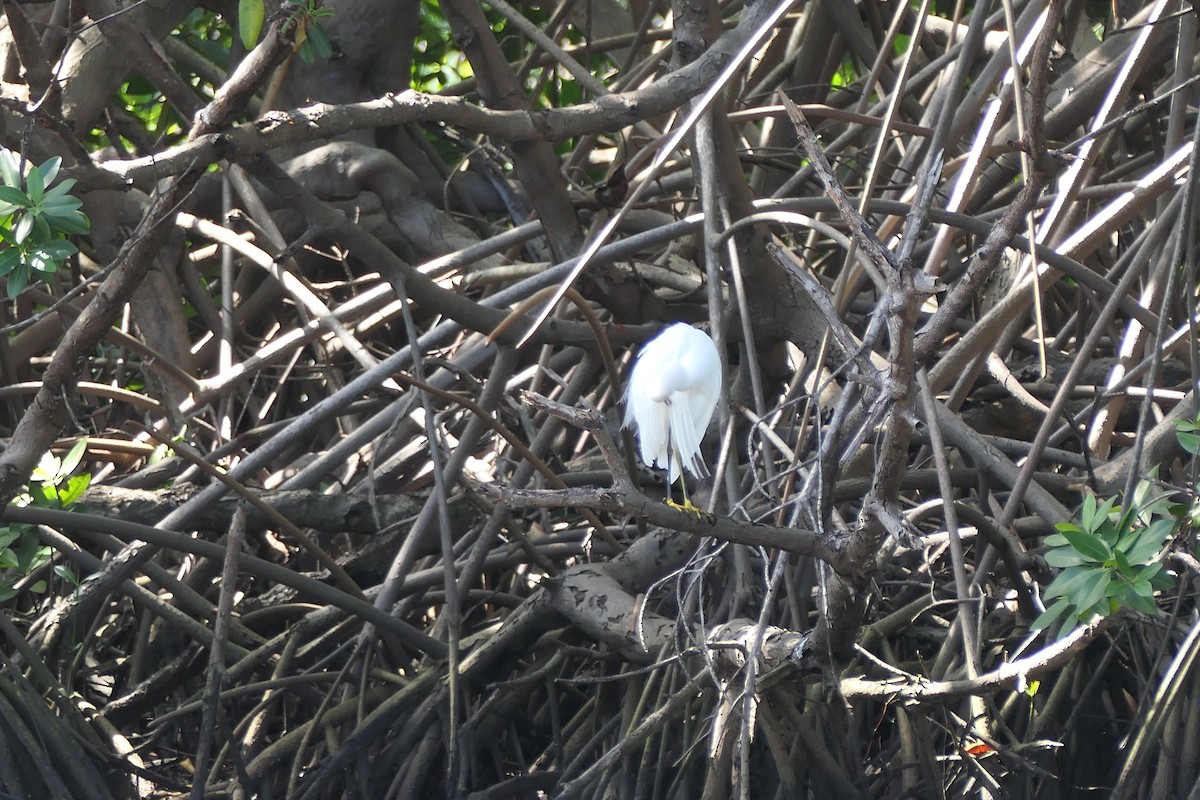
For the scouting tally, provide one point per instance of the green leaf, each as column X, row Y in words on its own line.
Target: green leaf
column 69, row 222
column 1069, row 624
column 1145, row 501
column 24, row 227
column 41, row 229
column 45, row 496
column 59, row 192
column 17, row 279
column 66, row 573
column 1124, row 525
column 320, row 41
column 250, row 21
column 1128, row 540
column 1057, row 539
column 41, row 263
column 72, row 459
column 1087, row 514
column 1151, row 540
column 1067, row 582
column 63, row 208
column 1064, row 557
column 12, row 199
column 58, row 250
column 9, row 534
column 1092, row 589
column 35, row 186
column 10, row 167
column 1123, row 566
column 1141, row 493
column 1101, row 516
column 48, row 171
column 1117, row 585
column 1188, row 441
column 1089, row 546
column 1162, row 581
column 1050, row 615
column 1140, row 602
column 1148, row 572
column 1142, row 588
column 32, row 554
column 8, row 259
column 73, row 489
column 1159, row 507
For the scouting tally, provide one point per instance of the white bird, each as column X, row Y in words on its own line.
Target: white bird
column 669, row 400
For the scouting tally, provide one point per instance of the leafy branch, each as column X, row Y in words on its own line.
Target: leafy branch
column 1110, row 559
column 51, row 485
column 35, row 219
column 312, row 42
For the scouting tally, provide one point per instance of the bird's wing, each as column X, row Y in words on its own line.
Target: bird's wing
column 686, row 435
column 649, row 418
column 703, row 368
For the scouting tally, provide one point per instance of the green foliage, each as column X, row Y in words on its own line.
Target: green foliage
column 56, row 487
column 251, row 14
column 210, row 35
column 846, row 75
column 35, row 219
column 203, row 31
column 311, row 40
column 50, row 486
column 1109, row 560
column 437, row 62
column 1188, row 434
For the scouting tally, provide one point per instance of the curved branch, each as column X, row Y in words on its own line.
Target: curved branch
column 914, row 689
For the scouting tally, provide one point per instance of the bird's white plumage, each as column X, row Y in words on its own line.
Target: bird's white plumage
column 670, row 397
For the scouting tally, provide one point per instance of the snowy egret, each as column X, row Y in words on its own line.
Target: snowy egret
column 670, row 398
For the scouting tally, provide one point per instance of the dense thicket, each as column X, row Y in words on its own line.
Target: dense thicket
column 343, row 336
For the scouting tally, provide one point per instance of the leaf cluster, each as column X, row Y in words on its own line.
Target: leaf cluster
column 35, row 218
column 51, row 485
column 437, row 63
column 1109, row 559
column 312, row 42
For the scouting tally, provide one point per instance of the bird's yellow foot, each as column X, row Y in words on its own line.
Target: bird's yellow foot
column 686, row 507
